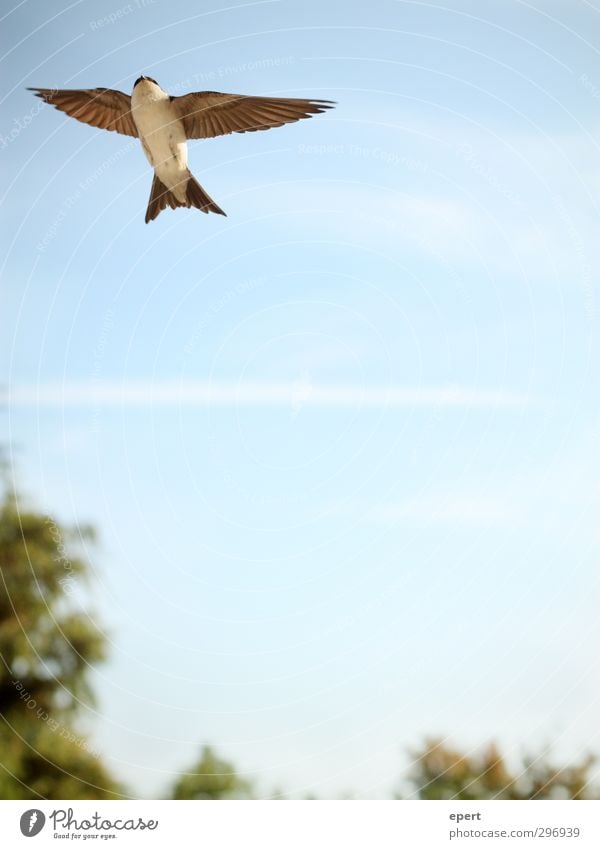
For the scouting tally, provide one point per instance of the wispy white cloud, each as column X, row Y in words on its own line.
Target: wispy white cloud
column 522, row 203
column 436, row 506
column 379, row 215
column 455, row 508
column 257, row 393
column 559, row 496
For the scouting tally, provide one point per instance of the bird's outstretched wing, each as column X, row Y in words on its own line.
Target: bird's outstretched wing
column 101, row 107
column 206, row 114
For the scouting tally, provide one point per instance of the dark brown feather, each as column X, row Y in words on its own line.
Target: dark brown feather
column 161, row 198
column 206, row 114
column 104, row 108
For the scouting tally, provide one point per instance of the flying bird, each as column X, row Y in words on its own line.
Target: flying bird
column 164, row 124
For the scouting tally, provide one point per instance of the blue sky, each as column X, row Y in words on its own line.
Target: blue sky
column 342, row 445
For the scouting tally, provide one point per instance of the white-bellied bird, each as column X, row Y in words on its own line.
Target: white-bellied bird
column 164, row 124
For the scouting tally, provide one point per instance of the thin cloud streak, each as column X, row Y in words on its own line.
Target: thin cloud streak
column 256, row 394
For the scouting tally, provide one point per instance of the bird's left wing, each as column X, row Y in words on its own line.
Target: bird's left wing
column 206, row 114
column 104, row 108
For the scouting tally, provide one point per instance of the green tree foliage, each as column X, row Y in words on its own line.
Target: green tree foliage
column 47, row 644
column 212, row 778
column 441, row 772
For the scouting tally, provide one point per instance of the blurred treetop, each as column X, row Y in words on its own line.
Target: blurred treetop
column 442, row 772
column 48, row 643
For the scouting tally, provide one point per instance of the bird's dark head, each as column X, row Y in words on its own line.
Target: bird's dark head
column 144, row 79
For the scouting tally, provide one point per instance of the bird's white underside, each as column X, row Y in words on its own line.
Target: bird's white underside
column 162, row 136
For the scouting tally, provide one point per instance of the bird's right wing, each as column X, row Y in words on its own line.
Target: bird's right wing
column 104, row 108
column 206, row 114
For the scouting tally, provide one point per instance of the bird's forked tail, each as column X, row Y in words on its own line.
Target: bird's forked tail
column 161, row 198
